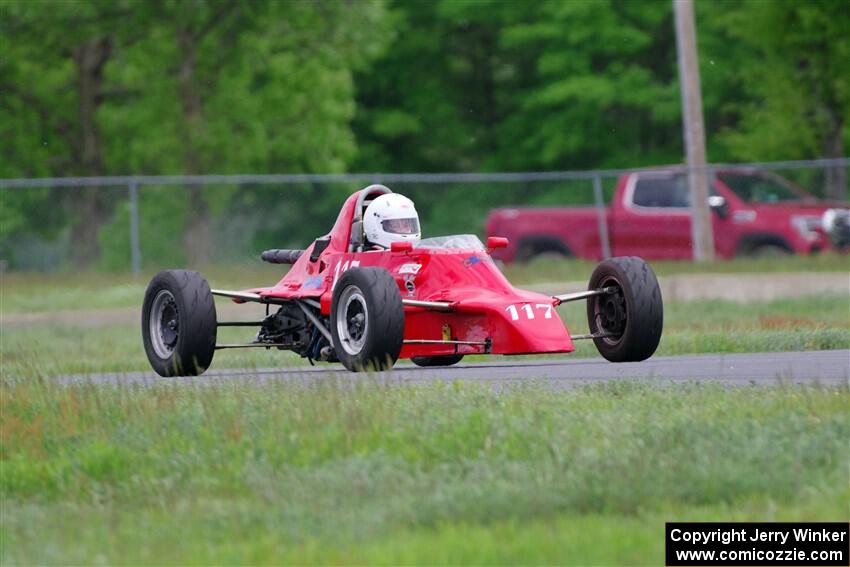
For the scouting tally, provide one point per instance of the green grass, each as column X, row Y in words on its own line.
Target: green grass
column 32, row 292
column 364, row 471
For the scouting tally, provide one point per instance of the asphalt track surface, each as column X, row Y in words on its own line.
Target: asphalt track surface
column 826, row 368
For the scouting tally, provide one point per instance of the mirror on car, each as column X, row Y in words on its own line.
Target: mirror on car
column 403, row 246
column 494, row 242
column 718, row 204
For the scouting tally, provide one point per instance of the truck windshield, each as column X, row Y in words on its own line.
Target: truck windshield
column 456, row 241
column 760, row 188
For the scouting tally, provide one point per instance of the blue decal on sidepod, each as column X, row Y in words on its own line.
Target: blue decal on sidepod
column 471, row 261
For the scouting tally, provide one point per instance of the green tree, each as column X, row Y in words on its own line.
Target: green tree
column 494, row 86
column 472, row 85
column 170, row 87
column 256, row 88
column 602, row 91
column 788, row 84
column 411, row 110
column 52, row 77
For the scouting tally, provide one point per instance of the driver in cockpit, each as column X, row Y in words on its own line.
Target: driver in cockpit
column 391, row 218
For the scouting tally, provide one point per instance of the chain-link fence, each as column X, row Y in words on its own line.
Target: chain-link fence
column 121, row 223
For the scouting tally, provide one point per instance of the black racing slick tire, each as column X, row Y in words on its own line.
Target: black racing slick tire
column 445, row 360
column 367, row 319
column 632, row 317
column 179, row 323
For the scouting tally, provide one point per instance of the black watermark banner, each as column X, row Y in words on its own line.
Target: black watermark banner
column 753, row 543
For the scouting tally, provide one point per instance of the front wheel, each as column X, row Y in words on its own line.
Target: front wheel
column 179, row 323
column 367, row 319
column 629, row 320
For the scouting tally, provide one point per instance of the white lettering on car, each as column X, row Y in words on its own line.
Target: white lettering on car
column 514, row 310
column 341, row 268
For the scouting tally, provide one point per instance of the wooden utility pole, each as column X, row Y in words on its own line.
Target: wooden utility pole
column 686, row 44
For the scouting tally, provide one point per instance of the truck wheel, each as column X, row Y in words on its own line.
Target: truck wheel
column 179, row 323
column 446, row 360
column 367, row 319
column 632, row 317
column 769, row 251
column 547, row 248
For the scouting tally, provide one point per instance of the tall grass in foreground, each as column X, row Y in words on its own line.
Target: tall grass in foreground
column 360, row 470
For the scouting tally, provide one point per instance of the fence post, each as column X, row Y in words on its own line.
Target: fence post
column 601, row 217
column 135, row 248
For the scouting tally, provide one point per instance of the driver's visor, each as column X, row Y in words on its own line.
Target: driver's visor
column 401, row 226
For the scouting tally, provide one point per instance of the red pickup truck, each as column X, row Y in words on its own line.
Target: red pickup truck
column 755, row 212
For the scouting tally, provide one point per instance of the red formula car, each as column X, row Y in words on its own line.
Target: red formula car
column 432, row 301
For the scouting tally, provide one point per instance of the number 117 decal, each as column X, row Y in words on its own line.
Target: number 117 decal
column 515, row 310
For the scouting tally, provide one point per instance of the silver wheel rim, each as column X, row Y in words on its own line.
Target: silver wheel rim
column 164, row 325
column 610, row 312
column 352, row 320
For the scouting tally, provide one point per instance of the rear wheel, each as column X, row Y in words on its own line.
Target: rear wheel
column 631, row 318
column 367, row 319
column 179, row 323
column 445, row 360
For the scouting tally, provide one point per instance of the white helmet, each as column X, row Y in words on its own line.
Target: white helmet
column 391, row 218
